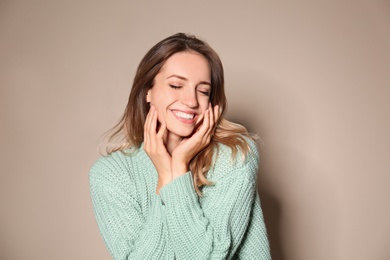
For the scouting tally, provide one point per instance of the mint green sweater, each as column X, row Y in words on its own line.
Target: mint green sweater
column 136, row 223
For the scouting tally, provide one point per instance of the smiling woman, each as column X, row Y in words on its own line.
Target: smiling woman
column 181, row 185
column 181, row 93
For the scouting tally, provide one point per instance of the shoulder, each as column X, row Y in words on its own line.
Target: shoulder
column 225, row 153
column 115, row 168
column 241, row 164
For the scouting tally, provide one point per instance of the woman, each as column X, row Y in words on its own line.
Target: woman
column 182, row 184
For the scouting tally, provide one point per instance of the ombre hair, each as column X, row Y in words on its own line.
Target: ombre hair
column 129, row 132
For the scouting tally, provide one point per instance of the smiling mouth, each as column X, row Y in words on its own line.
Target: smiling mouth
column 183, row 115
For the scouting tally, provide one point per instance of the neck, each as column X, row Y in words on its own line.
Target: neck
column 172, row 141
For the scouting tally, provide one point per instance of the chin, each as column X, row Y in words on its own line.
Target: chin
column 182, row 132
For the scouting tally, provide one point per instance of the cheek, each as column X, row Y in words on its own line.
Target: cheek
column 204, row 104
column 160, row 114
column 161, row 110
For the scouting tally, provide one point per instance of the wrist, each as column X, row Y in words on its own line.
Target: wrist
column 161, row 182
column 179, row 169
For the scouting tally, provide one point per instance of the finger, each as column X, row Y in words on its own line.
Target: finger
column 160, row 137
column 148, row 118
column 211, row 122
column 206, row 123
column 153, row 124
column 147, row 127
column 212, row 111
column 162, row 129
column 217, row 113
column 200, row 122
column 201, row 129
column 153, row 131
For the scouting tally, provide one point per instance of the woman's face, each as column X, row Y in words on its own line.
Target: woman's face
column 181, row 92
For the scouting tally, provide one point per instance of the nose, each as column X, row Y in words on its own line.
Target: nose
column 189, row 98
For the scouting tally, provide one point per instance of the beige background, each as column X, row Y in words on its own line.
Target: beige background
column 312, row 79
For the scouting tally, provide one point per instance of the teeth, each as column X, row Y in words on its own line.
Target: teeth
column 184, row 115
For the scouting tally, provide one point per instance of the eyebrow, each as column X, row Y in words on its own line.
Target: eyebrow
column 184, row 78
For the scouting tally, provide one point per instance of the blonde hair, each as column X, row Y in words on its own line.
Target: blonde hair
column 128, row 133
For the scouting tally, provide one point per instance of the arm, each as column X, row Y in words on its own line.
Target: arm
column 127, row 233
column 255, row 235
column 221, row 223
column 215, row 227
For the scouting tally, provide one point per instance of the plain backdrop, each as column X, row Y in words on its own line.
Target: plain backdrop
column 311, row 78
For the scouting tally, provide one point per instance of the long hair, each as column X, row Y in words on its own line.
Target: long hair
column 130, row 129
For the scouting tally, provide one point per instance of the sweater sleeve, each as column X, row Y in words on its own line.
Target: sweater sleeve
column 227, row 224
column 125, row 230
column 255, row 236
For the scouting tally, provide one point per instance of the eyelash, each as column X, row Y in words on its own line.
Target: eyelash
column 206, row 93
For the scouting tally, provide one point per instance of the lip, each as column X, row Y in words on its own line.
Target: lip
column 184, row 120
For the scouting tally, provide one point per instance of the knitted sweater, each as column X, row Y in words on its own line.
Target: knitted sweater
column 136, row 223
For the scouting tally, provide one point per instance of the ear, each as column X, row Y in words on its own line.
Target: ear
column 149, row 96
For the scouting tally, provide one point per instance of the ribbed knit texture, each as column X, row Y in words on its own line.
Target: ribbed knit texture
column 136, row 223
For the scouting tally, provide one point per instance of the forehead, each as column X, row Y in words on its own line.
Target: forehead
column 190, row 65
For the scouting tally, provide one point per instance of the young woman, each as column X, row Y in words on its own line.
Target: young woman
column 182, row 184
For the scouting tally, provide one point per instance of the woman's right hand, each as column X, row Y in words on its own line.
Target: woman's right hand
column 155, row 148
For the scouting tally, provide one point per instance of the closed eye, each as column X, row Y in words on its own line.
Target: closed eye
column 174, row 86
column 206, row 93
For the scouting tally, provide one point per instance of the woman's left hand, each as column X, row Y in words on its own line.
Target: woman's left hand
column 191, row 146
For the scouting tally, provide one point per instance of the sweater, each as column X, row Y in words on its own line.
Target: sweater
column 226, row 222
